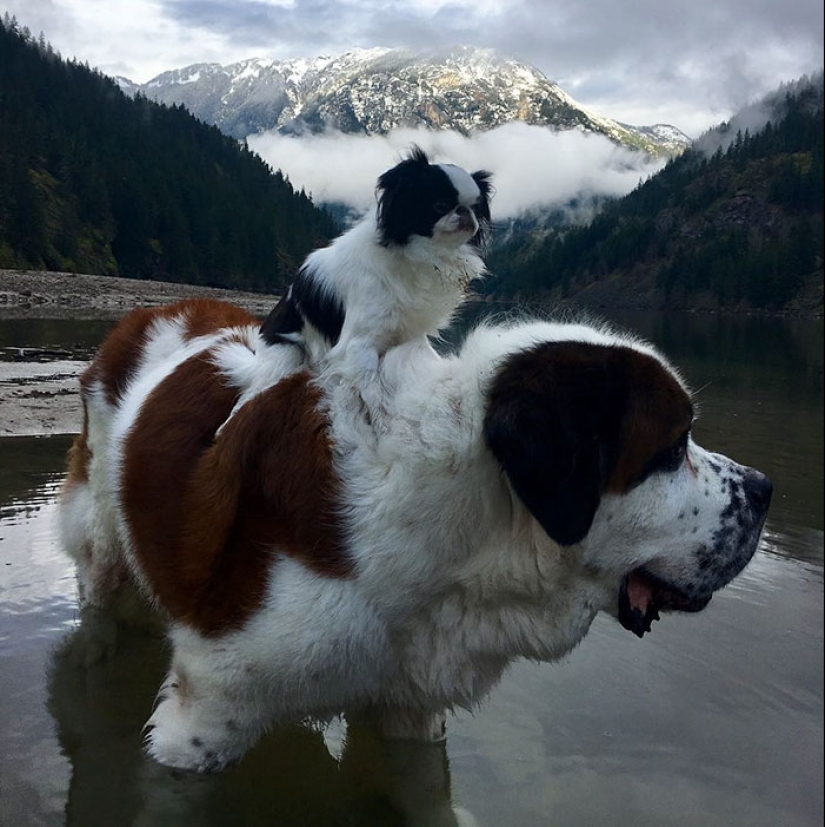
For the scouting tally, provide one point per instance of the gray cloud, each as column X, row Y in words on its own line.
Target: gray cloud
column 690, row 64
column 305, row 29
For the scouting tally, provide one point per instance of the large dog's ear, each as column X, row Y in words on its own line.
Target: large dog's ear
column 549, row 426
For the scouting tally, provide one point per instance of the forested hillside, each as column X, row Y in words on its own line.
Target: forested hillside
column 735, row 228
column 93, row 181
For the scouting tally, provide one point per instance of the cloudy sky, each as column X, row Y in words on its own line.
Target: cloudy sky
column 691, row 64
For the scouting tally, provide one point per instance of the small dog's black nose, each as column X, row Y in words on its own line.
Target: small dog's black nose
column 462, row 211
column 758, row 489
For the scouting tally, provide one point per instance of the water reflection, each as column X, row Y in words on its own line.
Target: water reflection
column 292, row 777
column 25, row 463
column 714, row 718
column 77, row 335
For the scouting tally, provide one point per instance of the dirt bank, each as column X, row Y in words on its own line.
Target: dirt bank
column 37, row 295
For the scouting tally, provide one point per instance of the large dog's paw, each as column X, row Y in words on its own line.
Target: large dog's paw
column 184, row 734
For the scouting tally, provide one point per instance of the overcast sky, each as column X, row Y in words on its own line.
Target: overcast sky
column 692, row 64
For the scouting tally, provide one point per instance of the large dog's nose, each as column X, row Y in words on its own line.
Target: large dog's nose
column 758, row 489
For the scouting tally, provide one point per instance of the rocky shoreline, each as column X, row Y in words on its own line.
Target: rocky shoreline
column 39, row 390
column 49, row 295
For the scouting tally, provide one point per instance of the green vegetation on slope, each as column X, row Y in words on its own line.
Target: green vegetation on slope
column 93, row 181
column 741, row 227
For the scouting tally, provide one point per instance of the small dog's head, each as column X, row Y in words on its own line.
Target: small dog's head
column 438, row 201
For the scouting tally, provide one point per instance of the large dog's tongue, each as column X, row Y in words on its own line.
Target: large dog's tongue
column 637, row 608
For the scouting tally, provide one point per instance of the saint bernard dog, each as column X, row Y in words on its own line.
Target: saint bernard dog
column 310, row 564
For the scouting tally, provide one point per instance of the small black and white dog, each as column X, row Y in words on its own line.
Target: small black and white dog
column 397, row 275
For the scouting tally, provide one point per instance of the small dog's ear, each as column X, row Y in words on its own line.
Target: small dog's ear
column 393, row 217
column 390, row 216
column 483, row 179
column 548, row 432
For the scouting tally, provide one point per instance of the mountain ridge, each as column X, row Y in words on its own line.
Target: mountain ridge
column 375, row 90
column 734, row 223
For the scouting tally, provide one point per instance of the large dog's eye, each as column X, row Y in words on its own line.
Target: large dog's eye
column 668, row 460
column 441, row 207
column 672, row 458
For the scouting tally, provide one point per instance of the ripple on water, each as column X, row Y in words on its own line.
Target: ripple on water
column 38, row 591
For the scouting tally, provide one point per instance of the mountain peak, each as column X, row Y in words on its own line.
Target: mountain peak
column 374, row 90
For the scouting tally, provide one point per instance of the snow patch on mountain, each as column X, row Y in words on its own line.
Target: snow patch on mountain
column 373, row 91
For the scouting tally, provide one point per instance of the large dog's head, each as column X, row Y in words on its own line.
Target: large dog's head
column 438, row 201
column 595, row 438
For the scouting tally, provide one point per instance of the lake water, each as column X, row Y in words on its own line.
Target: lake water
column 713, row 719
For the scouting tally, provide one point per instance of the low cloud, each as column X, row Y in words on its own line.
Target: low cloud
column 751, row 119
column 533, row 167
column 755, row 116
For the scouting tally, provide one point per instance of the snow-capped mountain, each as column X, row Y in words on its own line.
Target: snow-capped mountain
column 375, row 90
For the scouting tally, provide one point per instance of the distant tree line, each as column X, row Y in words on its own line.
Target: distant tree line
column 744, row 224
column 94, row 181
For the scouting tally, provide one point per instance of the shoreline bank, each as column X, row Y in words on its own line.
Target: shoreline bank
column 50, row 295
column 39, row 389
